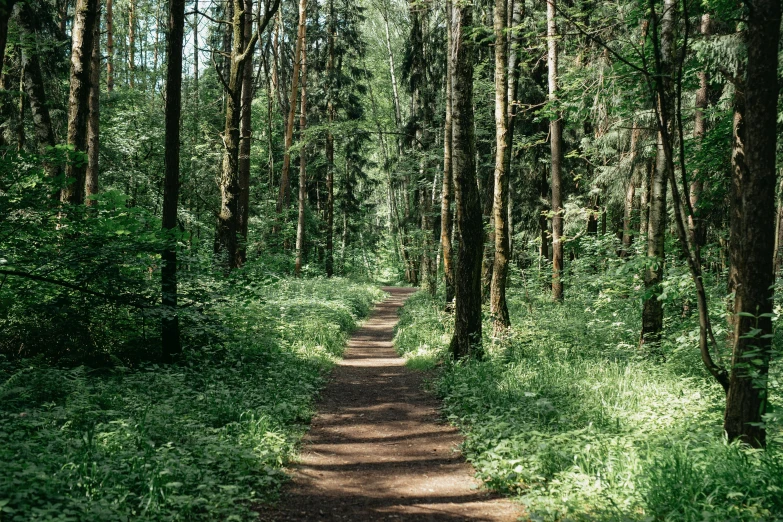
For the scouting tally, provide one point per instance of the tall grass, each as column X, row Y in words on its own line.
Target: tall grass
column 567, row 415
column 201, row 440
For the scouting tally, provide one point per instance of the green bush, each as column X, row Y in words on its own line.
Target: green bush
column 567, row 415
column 201, row 440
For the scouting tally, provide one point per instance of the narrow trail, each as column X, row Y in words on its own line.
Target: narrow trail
column 377, row 449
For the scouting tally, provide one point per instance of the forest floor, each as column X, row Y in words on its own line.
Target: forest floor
column 378, row 448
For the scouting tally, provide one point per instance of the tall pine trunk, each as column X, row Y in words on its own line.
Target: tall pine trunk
column 330, row 110
column 83, row 35
column 109, row 46
column 467, row 278
column 556, row 147
column 170, row 318
column 497, row 302
column 93, row 123
column 447, row 194
column 652, row 310
column 284, row 195
column 245, row 134
column 300, row 222
column 752, row 232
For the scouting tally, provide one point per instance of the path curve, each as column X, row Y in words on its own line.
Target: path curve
column 377, row 449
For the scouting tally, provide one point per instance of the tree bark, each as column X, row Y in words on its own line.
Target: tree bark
column 330, row 114
column 556, row 146
column 497, row 302
column 6, row 8
column 752, row 232
column 229, row 229
column 245, row 133
column 132, row 44
column 283, row 198
column 93, row 123
column 300, row 223
column 447, row 196
column 467, row 318
column 696, row 223
column 109, row 46
column 83, row 35
column 170, row 319
column 652, row 311
column 630, row 193
column 34, row 86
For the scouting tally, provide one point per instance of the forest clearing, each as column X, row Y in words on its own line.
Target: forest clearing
column 390, row 259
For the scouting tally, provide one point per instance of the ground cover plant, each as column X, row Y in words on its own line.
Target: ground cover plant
column 204, row 439
column 570, row 417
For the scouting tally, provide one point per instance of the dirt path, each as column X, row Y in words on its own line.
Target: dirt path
column 377, row 449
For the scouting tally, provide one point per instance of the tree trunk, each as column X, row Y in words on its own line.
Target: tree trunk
column 630, row 193
column 83, row 35
column 497, row 301
column 752, row 232
column 5, row 15
column 467, row 318
column 284, row 195
column 300, row 223
column 93, row 123
column 447, row 196
column 229, row 225
column 556, row 146
column 170, row 318
column 652, row 311
column 34, row 86
column 110, row 46
column 245, row 133
column 132, row 43
column 330, row 113
column 696, row 223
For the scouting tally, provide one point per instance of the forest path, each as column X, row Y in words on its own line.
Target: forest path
column 377, row 449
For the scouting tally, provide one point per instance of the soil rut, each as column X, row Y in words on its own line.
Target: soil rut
column 377, row 449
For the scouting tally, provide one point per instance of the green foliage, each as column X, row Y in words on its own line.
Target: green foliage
column 567, row 414
column 201, row 440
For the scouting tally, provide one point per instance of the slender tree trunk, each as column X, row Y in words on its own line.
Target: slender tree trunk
column 556, row 145
column 392, row 75
column 630, row 193
column 6, row 8
column 34, row 86
column 93, row 124
column 330, row 114
column 20, row 134
column 752, row 227
column 652, row 311
column 696, row 223
column 109, row 46
column 284, row 195
column 229, row 224
column 170, row 318
column 447, row 196
column 245, row 133
column 497, row 302
column 467, row 318
column 132, row 43
column 83, row 35
column 300, row 223
column 779, row 233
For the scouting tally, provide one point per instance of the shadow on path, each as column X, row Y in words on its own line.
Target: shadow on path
column 377, row 449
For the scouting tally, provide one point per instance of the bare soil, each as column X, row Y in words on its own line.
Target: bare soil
column 377, row 449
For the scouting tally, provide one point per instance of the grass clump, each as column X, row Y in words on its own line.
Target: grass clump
column 201, row 440
column 569, row 417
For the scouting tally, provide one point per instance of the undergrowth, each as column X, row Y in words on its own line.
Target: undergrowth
column 569, row 417
column 201, row 440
